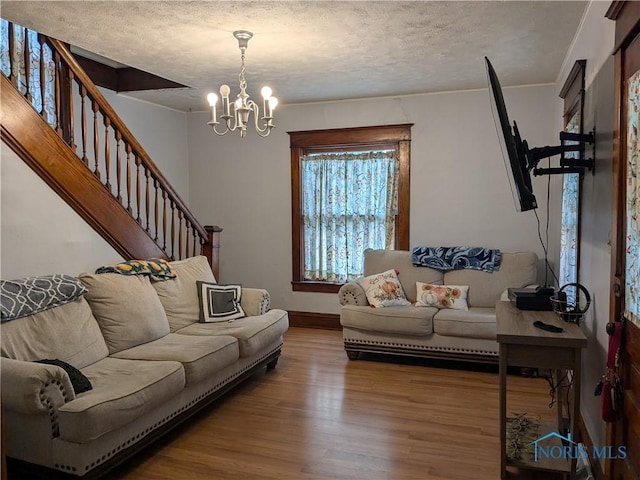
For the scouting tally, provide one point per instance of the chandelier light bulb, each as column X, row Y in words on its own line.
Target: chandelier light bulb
column 212, row 98
column 238, row 103
column 224, row 91
column 273, row 103
column 266, row 92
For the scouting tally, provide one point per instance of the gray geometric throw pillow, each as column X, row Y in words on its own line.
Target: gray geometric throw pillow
column 27, row 296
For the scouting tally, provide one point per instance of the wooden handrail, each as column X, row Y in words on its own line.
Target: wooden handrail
column 118, row 124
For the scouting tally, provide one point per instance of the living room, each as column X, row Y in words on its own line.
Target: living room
column 459, row 189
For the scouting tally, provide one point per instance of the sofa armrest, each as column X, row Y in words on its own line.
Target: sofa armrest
column 255, row 301
column 352, row 293
column 29, row 387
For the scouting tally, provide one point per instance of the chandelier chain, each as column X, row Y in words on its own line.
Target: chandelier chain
column 243, row 82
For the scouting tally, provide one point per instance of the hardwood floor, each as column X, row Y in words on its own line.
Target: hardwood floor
column 320, row 416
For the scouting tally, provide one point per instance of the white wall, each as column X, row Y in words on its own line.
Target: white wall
column 594, row 42
column 459, row 187
column 41, row 234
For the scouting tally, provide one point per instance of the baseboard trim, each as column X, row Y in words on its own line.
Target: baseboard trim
column 596, row 466
column 328, row 321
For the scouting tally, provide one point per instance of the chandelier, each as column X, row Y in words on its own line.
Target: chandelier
column 242, row 107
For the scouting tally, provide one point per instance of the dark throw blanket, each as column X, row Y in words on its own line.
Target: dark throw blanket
column 456, row 258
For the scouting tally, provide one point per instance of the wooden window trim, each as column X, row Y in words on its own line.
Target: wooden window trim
column 573, row 95
column 344, row 139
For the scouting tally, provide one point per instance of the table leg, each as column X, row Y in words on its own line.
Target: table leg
column 575, row 408
column 558, row 374
column 503, row 411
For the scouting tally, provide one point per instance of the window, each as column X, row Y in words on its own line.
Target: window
column 573, row 95
column 350, row 192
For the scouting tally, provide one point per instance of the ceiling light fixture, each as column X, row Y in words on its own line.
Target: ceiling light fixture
column 242, row 107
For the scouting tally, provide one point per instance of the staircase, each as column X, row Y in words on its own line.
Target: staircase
column 56, row 119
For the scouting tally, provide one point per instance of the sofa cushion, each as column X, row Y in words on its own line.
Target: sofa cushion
column 219, row 303
column 123, row 390
column 383, row 289
column 201, row 356
column 376, row 261
column 477, row 322
column 127, row 309
column 253, row 333
column 179, row 296
column 442, row 296
column 68, row 332
column 407, row 320
column 517, row 270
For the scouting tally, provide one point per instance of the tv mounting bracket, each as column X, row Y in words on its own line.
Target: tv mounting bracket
column 567, row 164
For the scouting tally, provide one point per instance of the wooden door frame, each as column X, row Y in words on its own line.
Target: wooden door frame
column 627, row 18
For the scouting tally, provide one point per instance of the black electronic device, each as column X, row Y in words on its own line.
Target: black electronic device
column 520, row 160
column 531, row 298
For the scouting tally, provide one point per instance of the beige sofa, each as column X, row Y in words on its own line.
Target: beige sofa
column 150, row 363
column 427, row 331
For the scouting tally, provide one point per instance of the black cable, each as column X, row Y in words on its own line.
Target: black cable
column 544, row 249
column 553, row 388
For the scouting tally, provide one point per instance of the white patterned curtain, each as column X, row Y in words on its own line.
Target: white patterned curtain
column 632, row 262
column 568, row 269
column 349, row 204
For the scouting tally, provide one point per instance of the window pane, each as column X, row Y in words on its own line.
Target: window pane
column 632, row 248
column 568, row 272
column 349, row 204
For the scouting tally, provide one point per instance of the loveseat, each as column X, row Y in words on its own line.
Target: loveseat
column 433, row 331
column 140, row 345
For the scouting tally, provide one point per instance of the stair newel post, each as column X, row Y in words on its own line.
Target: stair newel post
column 211, row 248
column 118, row 166
column 107, row 152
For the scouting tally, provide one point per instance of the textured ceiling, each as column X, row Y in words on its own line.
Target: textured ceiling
column 310, row 51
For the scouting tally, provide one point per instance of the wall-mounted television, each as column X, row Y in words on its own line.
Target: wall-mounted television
column 521, row 161
column 513, row 147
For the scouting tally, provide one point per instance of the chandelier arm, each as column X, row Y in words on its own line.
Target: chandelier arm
column 263, row 132
column 213, row 127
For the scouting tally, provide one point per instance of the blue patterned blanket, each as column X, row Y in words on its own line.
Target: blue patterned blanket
column 456, row 258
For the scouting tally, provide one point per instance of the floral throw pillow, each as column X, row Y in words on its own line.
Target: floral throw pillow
column 384, row 289
column 442, row 296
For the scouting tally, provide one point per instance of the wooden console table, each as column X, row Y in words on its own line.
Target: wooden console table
column 523, row 345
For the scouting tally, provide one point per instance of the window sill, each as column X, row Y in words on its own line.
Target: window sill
column 311, row 286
